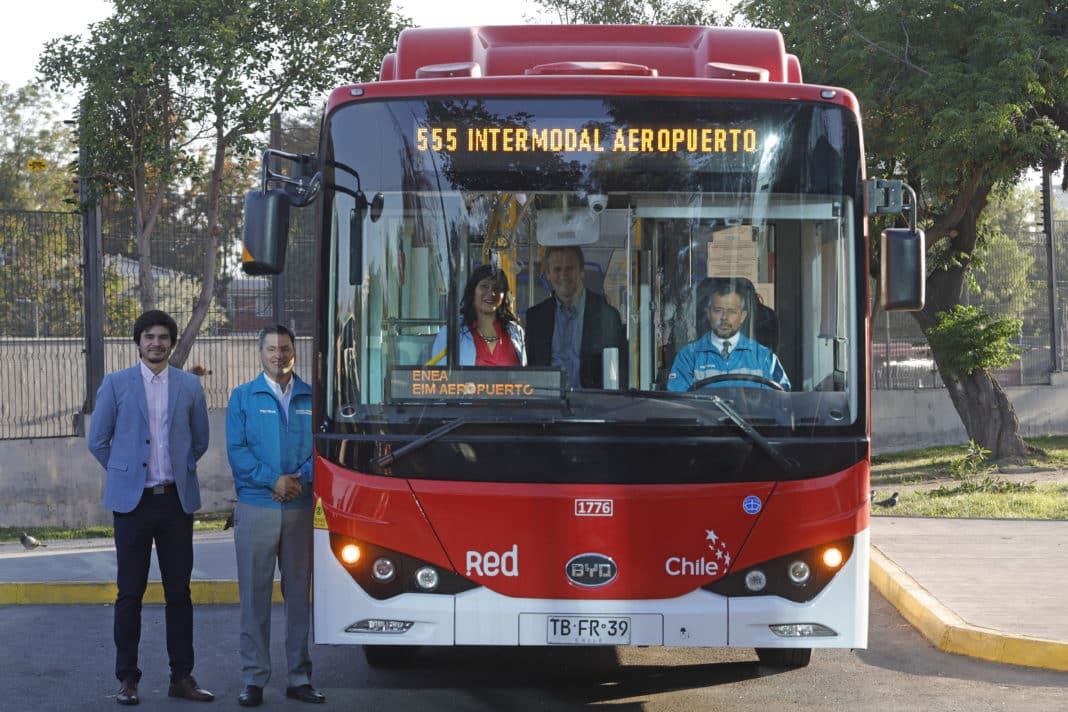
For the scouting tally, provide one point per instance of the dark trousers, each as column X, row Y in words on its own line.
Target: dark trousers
column 159, row 518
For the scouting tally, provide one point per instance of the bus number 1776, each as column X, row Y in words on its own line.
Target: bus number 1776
column 593, row 508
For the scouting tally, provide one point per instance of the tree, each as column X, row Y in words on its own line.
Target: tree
column 958, row 98
column 1000, row 279
column 632, row 12
column 161, row 77
column 30, row 131
column 39, row 276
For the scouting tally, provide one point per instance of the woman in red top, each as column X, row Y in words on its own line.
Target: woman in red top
column 489, row 317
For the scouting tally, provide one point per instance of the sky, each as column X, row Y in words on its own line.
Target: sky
column 28, row 26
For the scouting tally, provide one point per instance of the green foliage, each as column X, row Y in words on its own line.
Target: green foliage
column 986, row 485
column 1013, row 210
column 31, row 128
column 970, row 463
column 967, row 339
column 1001, row 275
column 40, row 275
column 946, row 87
column 630, row 12
column 173, row 90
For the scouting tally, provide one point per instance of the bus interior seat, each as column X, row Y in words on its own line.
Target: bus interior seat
column 761, row 324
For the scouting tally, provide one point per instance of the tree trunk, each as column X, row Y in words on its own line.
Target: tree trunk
column 146, row 212
column 988, row 415
column 211, row 251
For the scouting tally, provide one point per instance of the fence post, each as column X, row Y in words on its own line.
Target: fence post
column 1054, row 307
column 93, row 309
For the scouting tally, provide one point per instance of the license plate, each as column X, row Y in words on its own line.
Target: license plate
column 588, row 630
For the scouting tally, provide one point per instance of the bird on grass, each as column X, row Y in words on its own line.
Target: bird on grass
column 28, row 542
column 888, row 502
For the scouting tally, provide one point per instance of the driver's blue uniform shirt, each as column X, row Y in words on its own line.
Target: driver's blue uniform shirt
column 702, row 359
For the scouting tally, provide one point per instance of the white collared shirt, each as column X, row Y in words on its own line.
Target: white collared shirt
column 160, row 471
column 284, row 395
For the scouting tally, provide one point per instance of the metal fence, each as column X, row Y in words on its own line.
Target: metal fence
column 1012, row 281
column 241, row 305
column 42, row 339
column 41, row 329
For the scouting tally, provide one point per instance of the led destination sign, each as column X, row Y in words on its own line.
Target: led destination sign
column 518, row 139
column 467, row 384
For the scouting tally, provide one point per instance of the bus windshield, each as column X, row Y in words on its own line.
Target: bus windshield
column 661, row 257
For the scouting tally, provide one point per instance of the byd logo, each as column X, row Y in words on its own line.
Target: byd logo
column 492, row 563
column 591, row 570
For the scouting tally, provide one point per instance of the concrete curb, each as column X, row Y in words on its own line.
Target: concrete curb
column 104, row 592
column 951, row 633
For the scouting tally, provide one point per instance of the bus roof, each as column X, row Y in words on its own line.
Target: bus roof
column 634, row 50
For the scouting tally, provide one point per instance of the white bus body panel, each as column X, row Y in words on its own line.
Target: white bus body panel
column 842, row 606
column 697, row 619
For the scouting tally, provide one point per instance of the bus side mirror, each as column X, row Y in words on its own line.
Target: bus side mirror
column 266, row 232
column 903, row 274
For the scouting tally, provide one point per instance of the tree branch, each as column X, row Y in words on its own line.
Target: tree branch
column 901, row 59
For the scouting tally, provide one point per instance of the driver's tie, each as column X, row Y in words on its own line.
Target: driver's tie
column 726, row 350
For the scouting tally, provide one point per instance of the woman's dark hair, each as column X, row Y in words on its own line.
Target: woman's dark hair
column 505, row 312
column 155, row 317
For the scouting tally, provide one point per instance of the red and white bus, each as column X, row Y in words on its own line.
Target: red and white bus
column 507, row 506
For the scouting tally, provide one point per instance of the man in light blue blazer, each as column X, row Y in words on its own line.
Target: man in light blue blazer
column 149, row 428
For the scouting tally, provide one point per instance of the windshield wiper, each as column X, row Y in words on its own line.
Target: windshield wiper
column 442, row 430
column 724, row 407
column 779, row 459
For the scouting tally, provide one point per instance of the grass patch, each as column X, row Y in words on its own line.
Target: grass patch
column 936, row 463
column 202, row 521
column 961, row 482
column 1041, row 501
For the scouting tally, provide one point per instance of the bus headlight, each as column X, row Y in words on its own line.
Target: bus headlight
column 383, row 569
column 755, row 580
column 384, row 573
column 426, row 578
column 799, row 572
column 798, row 576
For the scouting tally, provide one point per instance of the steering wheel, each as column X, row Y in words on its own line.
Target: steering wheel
column 721, row 377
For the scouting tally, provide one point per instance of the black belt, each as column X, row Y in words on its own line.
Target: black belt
column 161, row 489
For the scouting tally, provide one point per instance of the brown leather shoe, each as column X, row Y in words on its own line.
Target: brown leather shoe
column 127, row 693
column 187, row 688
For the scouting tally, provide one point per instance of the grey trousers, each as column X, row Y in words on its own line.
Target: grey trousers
column 262, row 537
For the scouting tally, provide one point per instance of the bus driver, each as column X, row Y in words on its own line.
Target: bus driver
column 724, row 349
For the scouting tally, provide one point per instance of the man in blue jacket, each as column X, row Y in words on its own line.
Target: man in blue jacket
column 725, row 350
column 269, row 445
column 149, row 428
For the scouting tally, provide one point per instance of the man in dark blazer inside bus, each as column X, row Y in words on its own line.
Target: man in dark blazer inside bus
column 574, row 326
column 148, row 429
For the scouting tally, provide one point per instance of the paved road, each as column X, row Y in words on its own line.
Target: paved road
column 990, row 589
column 59, row 659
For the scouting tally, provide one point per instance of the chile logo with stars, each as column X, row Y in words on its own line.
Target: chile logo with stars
column 718, row 547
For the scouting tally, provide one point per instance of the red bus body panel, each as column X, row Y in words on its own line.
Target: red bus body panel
column 666, row 540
